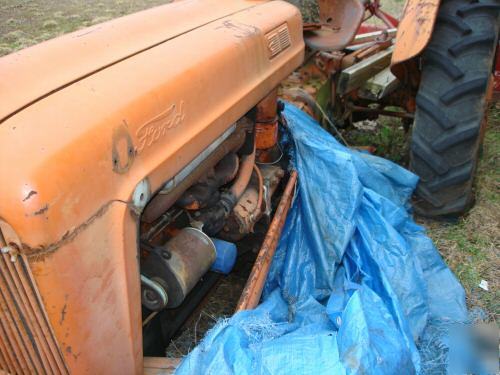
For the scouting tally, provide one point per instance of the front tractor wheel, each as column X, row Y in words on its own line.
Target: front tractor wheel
column 451, row 105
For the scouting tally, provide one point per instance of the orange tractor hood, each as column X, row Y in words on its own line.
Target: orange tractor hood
column 89, row 118
column 32, row 73
column 149, row 79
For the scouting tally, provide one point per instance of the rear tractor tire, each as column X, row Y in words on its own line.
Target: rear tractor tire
column 451, row 104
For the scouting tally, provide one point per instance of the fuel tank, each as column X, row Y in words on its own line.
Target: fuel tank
column 92, row 124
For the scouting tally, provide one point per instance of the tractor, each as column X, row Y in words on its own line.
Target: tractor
column 137, row 151
column 436, row 69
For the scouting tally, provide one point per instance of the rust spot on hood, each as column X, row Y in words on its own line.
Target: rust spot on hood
column 30, row 194
column 39, row 253
column 41, row 210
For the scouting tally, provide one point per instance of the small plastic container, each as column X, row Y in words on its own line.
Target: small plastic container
column 225, row 258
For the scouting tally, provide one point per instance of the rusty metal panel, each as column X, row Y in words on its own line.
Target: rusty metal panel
column 253, row 288
column 27, row 342
column 414, row 31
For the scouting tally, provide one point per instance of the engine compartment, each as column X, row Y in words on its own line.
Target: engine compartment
column 191, row 229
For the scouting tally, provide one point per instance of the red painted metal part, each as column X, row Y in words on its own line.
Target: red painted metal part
column 341, row 20
column 496, row 75
column 374, row 9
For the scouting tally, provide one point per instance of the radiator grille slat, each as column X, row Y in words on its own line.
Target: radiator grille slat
column 3, row 362
column 14, row 299
column 27, row 343
column 19, row 337
column 42, row 333
column 37, row 305
column 14, row 335
column 12, row 364
column 18, row 296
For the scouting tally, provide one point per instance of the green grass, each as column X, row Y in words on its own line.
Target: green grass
column 388, row 138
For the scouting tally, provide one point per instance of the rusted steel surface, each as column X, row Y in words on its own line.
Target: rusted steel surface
column 266, row 126
column 266, row 135
column 253, row 204
column 247, row 210
column 368, row 50
column 267, row 108
column 414, row 32
column 253, row 288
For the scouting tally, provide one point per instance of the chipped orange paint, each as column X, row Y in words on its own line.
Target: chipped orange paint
column 414, row 32
column 88, row 116
column 266, row 118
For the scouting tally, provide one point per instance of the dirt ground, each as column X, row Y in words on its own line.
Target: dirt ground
column 469, row 244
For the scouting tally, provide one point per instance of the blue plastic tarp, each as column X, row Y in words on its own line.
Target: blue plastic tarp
column 355, row 287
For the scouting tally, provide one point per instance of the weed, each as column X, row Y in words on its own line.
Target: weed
column 386, row 135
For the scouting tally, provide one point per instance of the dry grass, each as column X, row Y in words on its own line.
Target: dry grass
column 27, row 22
column 221, row 303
